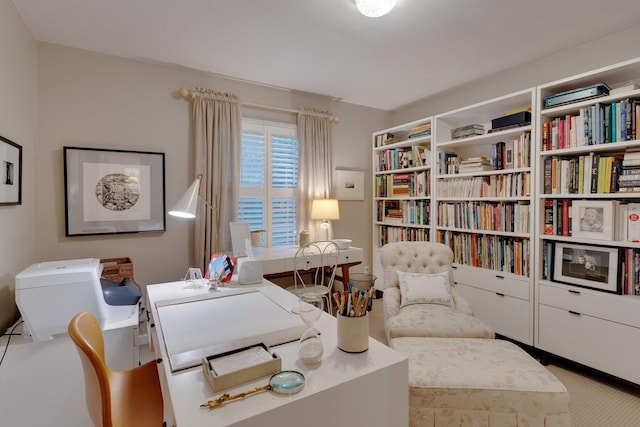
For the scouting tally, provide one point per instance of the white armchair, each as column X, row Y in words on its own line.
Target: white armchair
column 428, row 304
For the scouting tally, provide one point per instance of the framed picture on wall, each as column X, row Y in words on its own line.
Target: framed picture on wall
column 349, row 184
column 113, row 191
column 11, row 178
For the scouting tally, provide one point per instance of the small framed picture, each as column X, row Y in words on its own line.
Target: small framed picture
column 349, row 184
column 11, row 164
column 593, row 219
column 593, row 267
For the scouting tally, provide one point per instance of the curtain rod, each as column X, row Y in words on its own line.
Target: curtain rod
column 189, row 94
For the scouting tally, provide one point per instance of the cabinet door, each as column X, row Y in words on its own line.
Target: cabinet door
column 607, row 346
column 507, row 315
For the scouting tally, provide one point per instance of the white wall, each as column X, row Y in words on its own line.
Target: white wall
column 600, row 53
column 92, row 100
column 18, row 234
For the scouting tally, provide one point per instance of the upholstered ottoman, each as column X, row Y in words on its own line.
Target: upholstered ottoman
column 479, row 382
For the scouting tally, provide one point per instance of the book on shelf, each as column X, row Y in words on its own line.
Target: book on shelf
column 547, row 186
column 447, row 162
column 421, row 156
column 630, row 266
column 420, row 131
column 468, row 130
column 474, row 168
column 633, row 222
column 401, row 184
column 497, row 155
column 548, row 217
column 422, row 184
column 385, row 139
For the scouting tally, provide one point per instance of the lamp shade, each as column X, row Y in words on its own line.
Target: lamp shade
column 188, row 203
column 326, row 209
column 375, row 8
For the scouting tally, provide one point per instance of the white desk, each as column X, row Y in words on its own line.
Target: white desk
column 42, row 383
column 367, row 389
column 278, row 260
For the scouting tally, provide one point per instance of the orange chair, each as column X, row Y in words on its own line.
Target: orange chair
column 115, row 398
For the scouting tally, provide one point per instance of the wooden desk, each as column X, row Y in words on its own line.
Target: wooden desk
column 369, row 388
column 278, row 261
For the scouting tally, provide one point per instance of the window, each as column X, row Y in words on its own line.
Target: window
column 269, row 179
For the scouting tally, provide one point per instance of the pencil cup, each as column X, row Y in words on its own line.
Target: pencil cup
column 353, row 333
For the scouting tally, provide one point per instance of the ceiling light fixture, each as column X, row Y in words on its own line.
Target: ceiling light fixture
column 375, row 8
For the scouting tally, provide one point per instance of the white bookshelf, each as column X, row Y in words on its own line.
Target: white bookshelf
column 486, row 216
column 401, row 213
column 582, row 322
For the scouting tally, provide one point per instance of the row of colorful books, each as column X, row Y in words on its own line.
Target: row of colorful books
column 496, row 253
column 390, row 234
column 402, row 158
column 505, row 185
column 404, row 211
column 416, row 184
column 587, row 174
column 514, row 153
column 596, row 124
column 512, row 217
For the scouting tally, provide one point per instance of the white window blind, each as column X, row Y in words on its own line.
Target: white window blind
column 268, row 180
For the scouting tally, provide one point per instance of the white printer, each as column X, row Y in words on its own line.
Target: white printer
column 49, row 294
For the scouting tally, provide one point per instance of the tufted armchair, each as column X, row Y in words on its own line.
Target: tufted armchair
column 448, row 317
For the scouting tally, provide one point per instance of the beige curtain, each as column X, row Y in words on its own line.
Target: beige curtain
column 217, row 129
column 314, row 169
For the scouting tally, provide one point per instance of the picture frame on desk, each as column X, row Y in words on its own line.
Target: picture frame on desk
column 113, row 191
column 593, row 219
column 594, row 267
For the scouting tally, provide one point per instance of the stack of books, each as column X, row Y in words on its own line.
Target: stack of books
column 402, row 185
column 466, row 131
column 629, row 177
column 475, row 164
column 420, row 131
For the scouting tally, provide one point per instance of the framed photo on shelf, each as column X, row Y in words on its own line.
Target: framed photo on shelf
column 593, row 219
column 349, row 184
column 113, row 191
column 11, row 164
column 593, row 267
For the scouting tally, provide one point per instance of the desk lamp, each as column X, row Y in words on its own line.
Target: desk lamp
column 187, row 205
column 325, row 210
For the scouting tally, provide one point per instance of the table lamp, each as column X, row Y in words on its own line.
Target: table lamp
column 325, row 210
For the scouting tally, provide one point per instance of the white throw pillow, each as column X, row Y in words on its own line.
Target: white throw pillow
column 418, row 288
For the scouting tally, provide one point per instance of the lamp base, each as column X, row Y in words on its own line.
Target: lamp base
column 324, row 231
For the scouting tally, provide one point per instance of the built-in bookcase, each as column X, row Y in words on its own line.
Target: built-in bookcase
column 588, row 266
column 483, row 199
column 516, row 205
column 403, row 183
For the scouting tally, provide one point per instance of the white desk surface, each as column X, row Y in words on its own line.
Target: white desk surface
column 369, row 389
column 278, row 259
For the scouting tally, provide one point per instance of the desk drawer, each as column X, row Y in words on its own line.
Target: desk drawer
column 350, row 255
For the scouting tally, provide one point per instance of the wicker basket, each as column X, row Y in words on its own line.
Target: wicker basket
column 116, row 269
